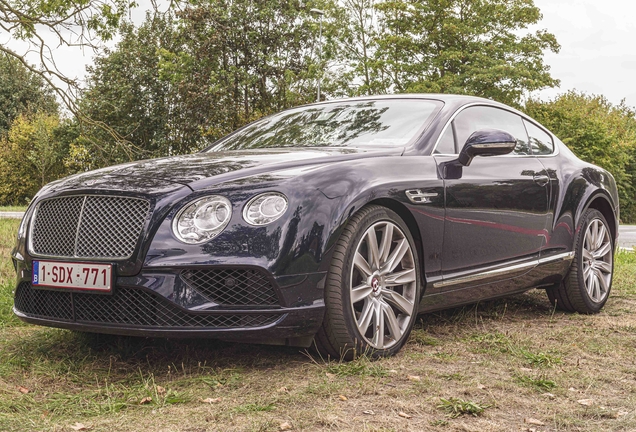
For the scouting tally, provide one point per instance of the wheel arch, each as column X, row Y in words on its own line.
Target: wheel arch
column 599, row 200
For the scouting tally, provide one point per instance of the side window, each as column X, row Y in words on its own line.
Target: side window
column 540, row 141
column 482, row 117
column 446, row 144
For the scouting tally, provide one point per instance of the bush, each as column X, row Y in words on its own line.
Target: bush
column 598, row 132
column 31, row 155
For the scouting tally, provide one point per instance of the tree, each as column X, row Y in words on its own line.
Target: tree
column 478, row 47
column 181, row 81
column 243, row 59
column 598, row 132
column 125, row 92
column 31, row 155
column 21, row 92
column 36, row 23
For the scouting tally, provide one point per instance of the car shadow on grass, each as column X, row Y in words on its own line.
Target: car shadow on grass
column 76, row 350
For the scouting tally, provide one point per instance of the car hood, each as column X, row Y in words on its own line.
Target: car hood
column 202, row 170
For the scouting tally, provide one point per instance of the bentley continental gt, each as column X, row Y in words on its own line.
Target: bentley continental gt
column 333, row 224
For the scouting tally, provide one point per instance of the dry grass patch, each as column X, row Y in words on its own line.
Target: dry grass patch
column 502, row 365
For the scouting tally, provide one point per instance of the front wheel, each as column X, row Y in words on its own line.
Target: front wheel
column 373, row 287
column 587, row 286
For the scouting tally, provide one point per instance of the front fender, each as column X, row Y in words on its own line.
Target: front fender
column 321, row 201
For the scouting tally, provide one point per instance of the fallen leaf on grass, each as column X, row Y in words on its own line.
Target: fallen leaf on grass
column 368, row 412
column 481, row 386
column 285, row 426
column 549, row 395
column 586, row 402
column 343, row 397
column 145, row 400
column 161, row 390
column 405, row 415
column 622, row 413
column 534, row 422
column 79, row 427
column 211, row 400
column 393, row 371
column 283, row 390
column 414, row 378
column 22, row 390
column 330, row 375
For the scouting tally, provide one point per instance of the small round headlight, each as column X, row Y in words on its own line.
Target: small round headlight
column 264, row 209
column 202, row 220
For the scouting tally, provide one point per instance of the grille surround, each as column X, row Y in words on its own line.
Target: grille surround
column 128, row 308
column 102, row 227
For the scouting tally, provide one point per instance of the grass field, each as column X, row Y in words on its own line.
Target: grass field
column 504, row 365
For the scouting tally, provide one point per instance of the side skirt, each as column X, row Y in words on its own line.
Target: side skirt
column 497, row 282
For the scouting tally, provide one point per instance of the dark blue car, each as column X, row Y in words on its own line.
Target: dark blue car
column 332, row 225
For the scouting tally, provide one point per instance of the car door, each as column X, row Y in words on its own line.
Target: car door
column 496, row 209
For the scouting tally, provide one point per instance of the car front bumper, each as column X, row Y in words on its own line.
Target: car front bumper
column 165, row 303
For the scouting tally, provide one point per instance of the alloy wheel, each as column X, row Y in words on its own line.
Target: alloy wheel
column 383, row 285
column 597, row 261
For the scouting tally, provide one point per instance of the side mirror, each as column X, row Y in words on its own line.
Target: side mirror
column 486, row 142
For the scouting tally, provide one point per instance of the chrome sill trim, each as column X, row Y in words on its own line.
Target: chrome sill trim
column 504, row 270
column 567, row 256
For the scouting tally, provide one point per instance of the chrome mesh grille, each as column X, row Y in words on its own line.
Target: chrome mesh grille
column 88, row 226
column 55, row 226
column 127, row 307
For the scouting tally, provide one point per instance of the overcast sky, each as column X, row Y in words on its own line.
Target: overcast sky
column 597, row 37
column 598, row 46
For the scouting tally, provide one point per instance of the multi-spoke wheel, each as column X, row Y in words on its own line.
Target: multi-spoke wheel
column 587, row 285
column 597, row 261
column 373, row 287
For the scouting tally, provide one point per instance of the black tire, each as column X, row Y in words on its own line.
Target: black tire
column 339, row 337
column 571, row 294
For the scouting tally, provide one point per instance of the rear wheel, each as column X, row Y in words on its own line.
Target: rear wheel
column 373, row 287
column 587, row 285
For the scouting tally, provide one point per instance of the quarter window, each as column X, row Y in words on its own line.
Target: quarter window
column 482, row 117
column 446, row 143
column 540, row 141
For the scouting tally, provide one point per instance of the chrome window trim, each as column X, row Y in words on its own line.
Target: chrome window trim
column 75, row 257
column 555, row 150
column 567, row 256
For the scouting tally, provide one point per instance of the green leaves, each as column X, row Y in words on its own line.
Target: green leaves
column 31, row 155
column 598, row 132
column 482, row 47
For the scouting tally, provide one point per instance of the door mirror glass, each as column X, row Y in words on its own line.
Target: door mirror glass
column 486, row 142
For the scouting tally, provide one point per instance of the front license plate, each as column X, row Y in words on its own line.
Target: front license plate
column 78, row 276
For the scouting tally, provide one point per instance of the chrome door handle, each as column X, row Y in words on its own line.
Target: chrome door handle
column 541, row 179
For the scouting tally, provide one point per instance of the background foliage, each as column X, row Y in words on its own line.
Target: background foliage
column 184, row 78
column 597, row 132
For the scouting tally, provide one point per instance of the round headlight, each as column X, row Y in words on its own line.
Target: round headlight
column 265, row 208
column 202, row 220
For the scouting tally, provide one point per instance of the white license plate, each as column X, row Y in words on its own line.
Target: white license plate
column 79, row 276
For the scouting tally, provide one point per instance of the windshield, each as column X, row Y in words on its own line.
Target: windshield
column 382, row 123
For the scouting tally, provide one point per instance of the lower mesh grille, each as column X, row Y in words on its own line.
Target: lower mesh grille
column 126, row 306
column 43, row 303
column 232, row 287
